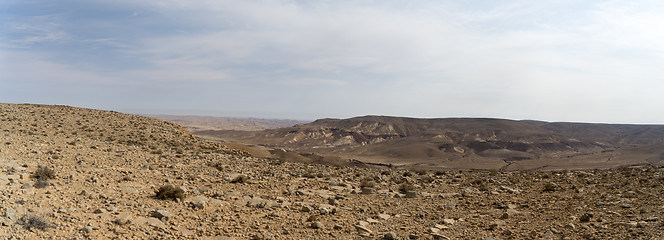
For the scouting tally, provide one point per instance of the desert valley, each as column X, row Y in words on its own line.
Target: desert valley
column 74, row 173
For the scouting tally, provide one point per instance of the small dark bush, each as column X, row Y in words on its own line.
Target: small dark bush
column 549, row 187
column 34, row 222
column 169, row 192
column 405, row 187
column 367, row 182
column 42, row 183
column 43, row 173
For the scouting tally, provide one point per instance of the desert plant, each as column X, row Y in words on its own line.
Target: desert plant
column 169, row 192
column 43, row 173
column 406, row 187
column 31, row 222
column 549, row 187
column 367, row 182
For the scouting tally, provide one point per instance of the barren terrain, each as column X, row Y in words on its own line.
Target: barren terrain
column 458, row 143
column 72, row 173
column 202, row 123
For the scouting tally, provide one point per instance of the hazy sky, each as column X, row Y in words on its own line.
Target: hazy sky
column 594, row 61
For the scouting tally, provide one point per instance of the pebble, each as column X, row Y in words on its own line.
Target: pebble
column 449, row 221
column 316, row 225
column 439, row 237
column 585, row 217
column 87, row 229
column 162, row 214
column 363, row 230
column 390, row 236
column 198, row 204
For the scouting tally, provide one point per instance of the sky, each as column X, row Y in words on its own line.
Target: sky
column 562, row 60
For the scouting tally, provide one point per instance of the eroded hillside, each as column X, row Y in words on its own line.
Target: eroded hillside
column 466, row 143
column 72, row 173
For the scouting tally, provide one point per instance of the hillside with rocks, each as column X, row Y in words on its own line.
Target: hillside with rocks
column 202, row 123
column 463, row 143
column 72, row 173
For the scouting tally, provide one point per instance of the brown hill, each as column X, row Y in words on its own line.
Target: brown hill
column 468, row 143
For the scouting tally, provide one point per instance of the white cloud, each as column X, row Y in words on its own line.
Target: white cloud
column 501, row 59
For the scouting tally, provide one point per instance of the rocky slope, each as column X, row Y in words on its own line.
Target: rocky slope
column 71, row 173
column 464, row 143
column 201, row 123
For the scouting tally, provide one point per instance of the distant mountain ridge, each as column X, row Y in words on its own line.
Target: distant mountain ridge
column 454, row 142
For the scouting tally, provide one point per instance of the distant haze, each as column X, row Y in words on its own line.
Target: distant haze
column 587, row 61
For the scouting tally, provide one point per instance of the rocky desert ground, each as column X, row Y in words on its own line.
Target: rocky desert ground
column 72, row 173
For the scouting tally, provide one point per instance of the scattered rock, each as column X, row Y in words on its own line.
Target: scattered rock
column 436, row 236
column 384, row 217
column 449, row 221
column 87, row 229
column 164, row 215
column 123, row 219
column 316, row 225
column 451, row 205
column 390, row 236
column 362, row 230
column 585, row 217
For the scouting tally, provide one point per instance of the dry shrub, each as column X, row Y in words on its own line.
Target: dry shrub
column 169, row 192
column 42, row 175
column 406, row 187
column 31, row 222
column 367, row 182
column 549, row 187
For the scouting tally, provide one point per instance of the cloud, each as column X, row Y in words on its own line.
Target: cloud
column 41, row 29
column 519, row 59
